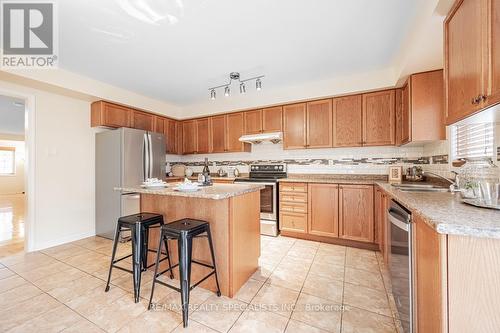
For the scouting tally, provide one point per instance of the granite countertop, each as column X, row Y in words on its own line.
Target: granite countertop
column 334, row 178
column 215, row 192
column 447, row 214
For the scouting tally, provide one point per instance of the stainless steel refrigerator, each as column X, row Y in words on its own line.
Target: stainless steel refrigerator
column 124, row 157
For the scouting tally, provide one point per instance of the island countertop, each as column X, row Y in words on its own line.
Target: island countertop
column 214, row 192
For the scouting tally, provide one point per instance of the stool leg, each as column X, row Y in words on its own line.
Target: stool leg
column 115, row 245
column 158, row 254
column 209, row 236
column 168, row 258
column 137, row 256
column 145, row 248
column 185, row 250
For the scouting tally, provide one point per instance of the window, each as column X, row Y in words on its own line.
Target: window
column 7, row 160
column 473, row 140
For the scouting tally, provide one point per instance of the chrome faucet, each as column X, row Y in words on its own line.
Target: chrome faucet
column 453, row 183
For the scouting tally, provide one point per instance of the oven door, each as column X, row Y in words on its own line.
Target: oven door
column 268, row 202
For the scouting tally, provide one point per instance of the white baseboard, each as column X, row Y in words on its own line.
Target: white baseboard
column 60, row 241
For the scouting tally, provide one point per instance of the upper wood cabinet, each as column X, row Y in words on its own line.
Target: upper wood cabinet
column 323, row 212
column 264, row 120
column 308, row 125
column 172, row 135
column 189, row 137
column 143, row 121
column 294, row 126
column 180, row 137
column 234, row 130
column 379, row 118
column 472, row 51
column 253, row 122
column 347, row 121
column 159, row 124
column 356, row 213
column 420, row 109
column 110, row 115
column 218, row 134
column 272, row 119
column 319, row 124
column 202, row 136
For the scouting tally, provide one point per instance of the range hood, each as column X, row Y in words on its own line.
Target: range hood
column 274, row 137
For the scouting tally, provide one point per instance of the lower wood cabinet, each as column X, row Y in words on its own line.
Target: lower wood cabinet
column 323, row 210
column 356, row 213
column 293, row 207
column 295, row 222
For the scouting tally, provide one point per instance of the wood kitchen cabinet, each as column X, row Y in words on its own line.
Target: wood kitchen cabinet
column 172, row 136
column 319, row 124
column 234, row 130
column 293, row 207
column 308, row 125
column 430, row 268
column 382, row 236
column 294, row 126
column 189, row 137
column 356, row 213
column 323, row 204
column 420, row 108
column 472, row 52
column 347, row 121
column 264, row 120
column 143, row 121
column 202, row 136
column 379, row 118
column 110, row 115
column 218, row 134
column 159, row 124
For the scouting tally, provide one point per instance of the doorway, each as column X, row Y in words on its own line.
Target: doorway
column 12, row 175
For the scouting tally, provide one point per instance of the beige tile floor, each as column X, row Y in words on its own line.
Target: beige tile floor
column 12, row 213
column 301, row 286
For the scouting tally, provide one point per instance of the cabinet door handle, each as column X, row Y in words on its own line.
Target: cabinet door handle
column 476, row 100
column 483, row 98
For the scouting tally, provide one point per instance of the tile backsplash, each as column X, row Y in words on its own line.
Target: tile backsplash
column 359, row 160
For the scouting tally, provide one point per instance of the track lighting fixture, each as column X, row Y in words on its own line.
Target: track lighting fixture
column 235, row 76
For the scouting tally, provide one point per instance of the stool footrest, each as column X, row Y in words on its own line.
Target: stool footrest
column 123, row 269
column 117, row 260
column 202, row 264
column 178, row 289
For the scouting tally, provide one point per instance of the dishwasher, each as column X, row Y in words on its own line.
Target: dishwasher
column 401, row 262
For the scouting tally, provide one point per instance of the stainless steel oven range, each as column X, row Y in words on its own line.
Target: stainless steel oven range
column 267, row 175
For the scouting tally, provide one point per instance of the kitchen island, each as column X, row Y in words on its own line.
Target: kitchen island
column 233, row 211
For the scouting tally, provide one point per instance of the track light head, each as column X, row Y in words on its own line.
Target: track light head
column 227, row 91
column 243, row 89
column 258, row 84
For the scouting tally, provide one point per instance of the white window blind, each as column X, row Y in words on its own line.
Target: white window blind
column 474, row 140
column 7, row 160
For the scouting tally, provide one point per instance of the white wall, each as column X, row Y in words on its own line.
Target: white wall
column 13, row 184
column 64, row 169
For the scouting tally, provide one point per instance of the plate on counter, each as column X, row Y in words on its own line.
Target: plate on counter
column 480, row 203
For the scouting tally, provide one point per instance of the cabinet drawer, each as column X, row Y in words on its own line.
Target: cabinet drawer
column 293, row 197
column 294, row 207
column 294, row 222
column 293, row 187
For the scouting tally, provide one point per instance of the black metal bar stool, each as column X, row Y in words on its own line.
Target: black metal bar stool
column 184, row 231
column 139, row 225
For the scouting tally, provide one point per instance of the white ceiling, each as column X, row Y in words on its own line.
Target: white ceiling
column 173, row 50
column 11, row 116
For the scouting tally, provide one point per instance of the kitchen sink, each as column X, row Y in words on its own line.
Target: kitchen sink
column 420, row 188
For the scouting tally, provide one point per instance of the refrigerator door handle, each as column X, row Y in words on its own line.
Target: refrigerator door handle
column 145, row 157
column 151, row 158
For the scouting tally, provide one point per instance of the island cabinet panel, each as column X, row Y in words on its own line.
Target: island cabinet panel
column 234, row 130
column 189, row 137
column 347, row 121
column 171, row 136
column 202, row 136
column 272, row 119
column 110, row 115
column 143, row 121
column 356, row 213
column 319, row 124
column 253, row 122
column 473, row 280
column 218, row 134
column 379, row 118
column 323, row 210
column 294, row 126
column 430, row 266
